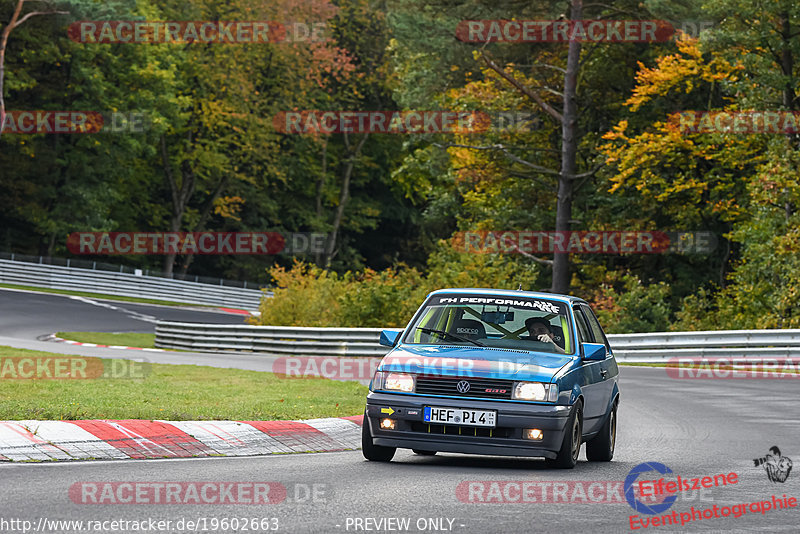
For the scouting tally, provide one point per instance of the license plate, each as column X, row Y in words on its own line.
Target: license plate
column 459, row 416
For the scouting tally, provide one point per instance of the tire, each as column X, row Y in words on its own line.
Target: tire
column 601, row 447
column 374, row 453
column 423, row 453
column 571, row 446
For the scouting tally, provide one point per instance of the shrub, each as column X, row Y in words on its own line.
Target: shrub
column 306, row 295
column 303, row 296
column 635, row 307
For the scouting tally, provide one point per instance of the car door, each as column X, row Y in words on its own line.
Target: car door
column 608, row 368
column 592, row 387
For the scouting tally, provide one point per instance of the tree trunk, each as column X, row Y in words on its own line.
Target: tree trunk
column 180, row 199
column 320, row 189
column 569, row 150
column 789, row 96
column 205, row 213
column 51, row 245
column 344, row 195
column 13, row 23
column 169, row 259
column 3, row 44
column 787, row 61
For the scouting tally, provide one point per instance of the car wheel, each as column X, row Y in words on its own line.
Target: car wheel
column 601, row 447
column 571, row 446
column 374, row 453
column 423, row 453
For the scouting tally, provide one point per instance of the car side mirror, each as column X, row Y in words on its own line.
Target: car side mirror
column 389, row 337
column 594, row 351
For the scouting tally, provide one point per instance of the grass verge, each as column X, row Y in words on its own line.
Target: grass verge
column 127, row 339
column 172, row 392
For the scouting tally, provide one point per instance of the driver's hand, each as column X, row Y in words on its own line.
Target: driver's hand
column 545, row 338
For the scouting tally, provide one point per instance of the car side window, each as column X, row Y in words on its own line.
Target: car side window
column 584, row 335
column 594, row 325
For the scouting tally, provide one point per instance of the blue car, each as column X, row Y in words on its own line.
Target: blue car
column 495, row 372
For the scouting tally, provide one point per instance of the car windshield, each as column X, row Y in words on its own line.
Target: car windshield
column 524, row 323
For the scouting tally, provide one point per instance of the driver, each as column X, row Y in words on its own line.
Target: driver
column 539, row 329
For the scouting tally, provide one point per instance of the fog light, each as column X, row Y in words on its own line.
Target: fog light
column 533, row 433
column 387, row 424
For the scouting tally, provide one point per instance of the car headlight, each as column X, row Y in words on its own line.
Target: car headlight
column 535, row 391
column 399, row 382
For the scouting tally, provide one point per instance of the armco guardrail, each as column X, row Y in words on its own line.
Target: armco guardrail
column 126, row 284
column 273, row 340
column 305, row 341
column 662, row 346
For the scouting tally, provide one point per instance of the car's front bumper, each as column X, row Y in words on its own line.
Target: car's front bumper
column 411, row 432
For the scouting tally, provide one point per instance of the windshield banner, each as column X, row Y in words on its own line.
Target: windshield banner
column 546, row 306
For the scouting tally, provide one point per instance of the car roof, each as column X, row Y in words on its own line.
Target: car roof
column 510, row 293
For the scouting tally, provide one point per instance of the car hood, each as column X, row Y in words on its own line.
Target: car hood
column 479, row 362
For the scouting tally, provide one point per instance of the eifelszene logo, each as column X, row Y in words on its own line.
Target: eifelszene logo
column 630, row 484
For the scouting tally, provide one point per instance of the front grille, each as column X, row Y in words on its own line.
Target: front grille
column 486, row 388
column 458, row 430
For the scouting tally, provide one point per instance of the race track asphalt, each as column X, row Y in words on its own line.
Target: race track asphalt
column 695, row 427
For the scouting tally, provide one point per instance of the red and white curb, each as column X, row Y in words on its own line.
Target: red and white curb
column 135, row 438
column 55, row 338
column 237, row 311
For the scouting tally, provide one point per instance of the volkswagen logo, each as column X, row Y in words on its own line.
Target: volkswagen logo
column 462, row 386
